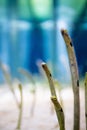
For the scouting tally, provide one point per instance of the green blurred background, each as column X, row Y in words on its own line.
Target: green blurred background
column 30, row 33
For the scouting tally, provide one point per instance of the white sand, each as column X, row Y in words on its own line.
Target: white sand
column 44, row 117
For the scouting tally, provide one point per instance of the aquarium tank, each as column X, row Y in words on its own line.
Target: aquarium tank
column 30, row 33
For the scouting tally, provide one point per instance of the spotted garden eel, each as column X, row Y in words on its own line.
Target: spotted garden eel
column 74, row 76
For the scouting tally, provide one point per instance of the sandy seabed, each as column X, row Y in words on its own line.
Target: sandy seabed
column 44, row 117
